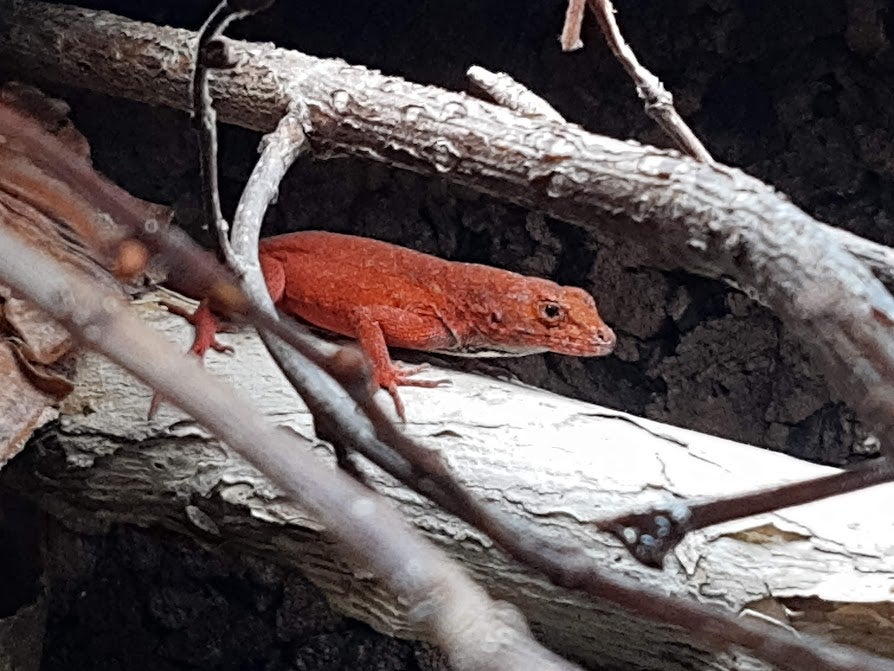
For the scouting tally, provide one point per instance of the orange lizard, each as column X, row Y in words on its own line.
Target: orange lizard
column 389, row 296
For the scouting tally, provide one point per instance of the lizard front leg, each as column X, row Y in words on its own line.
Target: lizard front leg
column 378, row 327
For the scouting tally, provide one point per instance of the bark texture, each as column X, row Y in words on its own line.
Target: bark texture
column 797, row 93
column 555, row 462
column 758, row 388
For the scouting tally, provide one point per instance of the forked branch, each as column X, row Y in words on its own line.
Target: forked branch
column 658, row 101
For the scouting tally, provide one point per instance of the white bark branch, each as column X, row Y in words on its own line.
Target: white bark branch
column 825, row 568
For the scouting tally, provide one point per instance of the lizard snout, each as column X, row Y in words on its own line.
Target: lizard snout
column 605, row 340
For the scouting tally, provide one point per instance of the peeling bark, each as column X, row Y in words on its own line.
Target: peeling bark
column 827, row 568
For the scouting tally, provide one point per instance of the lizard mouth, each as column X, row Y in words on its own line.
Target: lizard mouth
column 600, row 343
column 489, row 352
column 600, row 350
column 587, row 349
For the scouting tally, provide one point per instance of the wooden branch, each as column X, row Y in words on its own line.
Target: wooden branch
column 658, row 101
column 552, row 463
column 505, row 91
column 574, row 18
column 441, row 596
column 565, row 564
column 679, row 210
column 204, row 118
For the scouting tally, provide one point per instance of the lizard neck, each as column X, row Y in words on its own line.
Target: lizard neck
column 474, row 317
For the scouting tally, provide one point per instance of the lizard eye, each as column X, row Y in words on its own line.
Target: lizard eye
column 551, row 312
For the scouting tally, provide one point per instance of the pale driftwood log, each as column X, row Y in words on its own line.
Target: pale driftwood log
column 827, row 568
column 709, row 219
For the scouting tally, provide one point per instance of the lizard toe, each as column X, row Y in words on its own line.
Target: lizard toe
column 398, row 404
column 404, row 376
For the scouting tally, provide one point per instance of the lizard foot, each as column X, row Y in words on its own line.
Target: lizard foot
column 402, row 376
column 207, row 326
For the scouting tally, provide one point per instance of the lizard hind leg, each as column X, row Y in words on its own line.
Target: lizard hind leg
column 207, row 326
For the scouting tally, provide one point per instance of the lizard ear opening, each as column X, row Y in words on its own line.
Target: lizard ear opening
column 496, row 317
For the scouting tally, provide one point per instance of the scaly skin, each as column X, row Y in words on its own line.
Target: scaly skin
column 389, row 296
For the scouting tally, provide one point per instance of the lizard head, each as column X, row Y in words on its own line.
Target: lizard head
column 536, row 315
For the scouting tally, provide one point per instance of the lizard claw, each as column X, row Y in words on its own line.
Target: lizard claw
column 402, row 376
column 207, row 327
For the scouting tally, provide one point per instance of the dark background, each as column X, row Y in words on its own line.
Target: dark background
column 796, row 93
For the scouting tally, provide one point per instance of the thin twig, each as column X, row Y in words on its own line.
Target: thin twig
column 504, row 90
column 659, row 103
column 650, row 535
column 211, row 55
column 279, row 149
column 574, row 18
